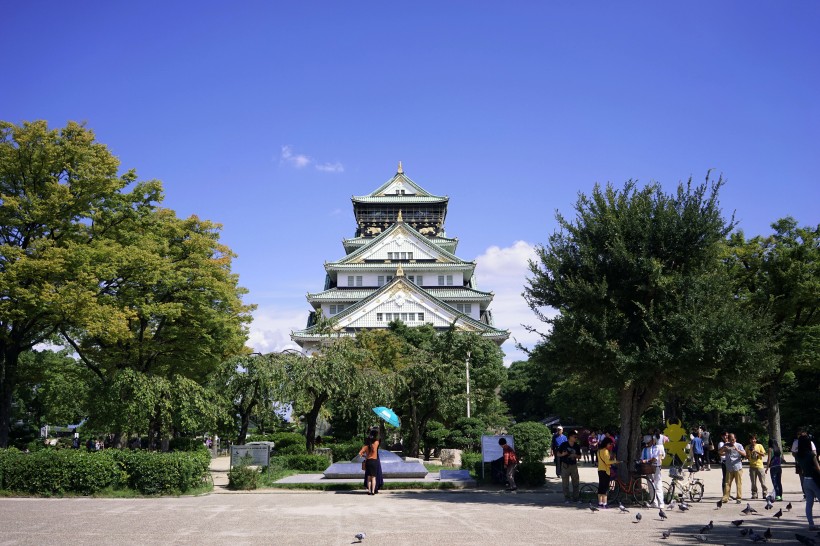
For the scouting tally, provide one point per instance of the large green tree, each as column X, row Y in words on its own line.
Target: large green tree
column 778, row 276
column 60, row 194
column 643, row 299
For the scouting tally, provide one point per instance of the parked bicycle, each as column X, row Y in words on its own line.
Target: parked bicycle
column 639, row 488
column 679, row 487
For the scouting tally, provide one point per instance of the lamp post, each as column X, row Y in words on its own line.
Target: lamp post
column 467, row 364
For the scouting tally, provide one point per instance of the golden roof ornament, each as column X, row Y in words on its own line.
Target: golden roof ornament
column 400, row 171
column 399, row 218
column 400, row 271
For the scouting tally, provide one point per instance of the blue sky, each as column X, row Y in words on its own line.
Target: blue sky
column 268, row 116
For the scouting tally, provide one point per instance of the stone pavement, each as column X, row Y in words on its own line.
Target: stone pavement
column 468, row 516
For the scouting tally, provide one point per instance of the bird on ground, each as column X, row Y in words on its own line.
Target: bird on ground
column 360, row 537
column 757, row 537
column 622, row 509
column 770, row 497
column 749, row 510
column 683, row 507
column 719, row 504
column 768, row 533
column 701, row 538
column 789, row 507
column 637, row 517
column 704, row 530
column 737, row 522
column 711, row 524
column 769, row 504
column 662, row 514
column 744, row 532
column 672, row 504
column 803, row 539
column 666, row 534
column 778, row 514
column 593, row 508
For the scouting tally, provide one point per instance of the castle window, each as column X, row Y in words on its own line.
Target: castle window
column 378, row 317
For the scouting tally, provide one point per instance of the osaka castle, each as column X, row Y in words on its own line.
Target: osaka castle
column 399, row 265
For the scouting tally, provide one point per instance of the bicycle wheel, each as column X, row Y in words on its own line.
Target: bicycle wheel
column 643, row 490
column 615, row 492
column 589, row 493
column 696, row 492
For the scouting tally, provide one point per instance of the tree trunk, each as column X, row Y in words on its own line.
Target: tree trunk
column 244, row 423
column 775, row 433
column 633, row 402
column 8, row 379
column 311, row 418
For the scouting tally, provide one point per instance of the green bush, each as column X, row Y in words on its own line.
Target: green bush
column 305, row 463
column 531, row 440
column 346, row 451
column 186, row 444
column 434, row 438
column 50, row 471
column 471, row 461
column 242, row 476
column 154, row 473
column 532, row 474
column 292, row 449
column 285, row 439
column 466, row 434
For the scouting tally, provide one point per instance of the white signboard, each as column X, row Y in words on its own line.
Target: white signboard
column 490, row 450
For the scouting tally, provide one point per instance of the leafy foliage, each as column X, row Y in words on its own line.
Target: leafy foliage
column 532, row 441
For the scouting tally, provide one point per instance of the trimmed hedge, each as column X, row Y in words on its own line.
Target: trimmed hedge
column 344, row 452
column 305, row 463
column 53, row 471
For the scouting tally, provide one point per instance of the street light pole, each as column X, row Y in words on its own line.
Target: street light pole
column 468, row 384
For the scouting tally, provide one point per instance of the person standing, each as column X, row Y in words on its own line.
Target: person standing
column 370, row 450
column 756, row 453
column 708, row 447
column 570, row 452
column 806, row 458
column 606, row 460
column 558, row 439
column 510, row 463
column 697, row 449
column 774, row 463
column 800, row 434
column 593, row 447
column 734, row 453
column 654, row 454
column 723, row 439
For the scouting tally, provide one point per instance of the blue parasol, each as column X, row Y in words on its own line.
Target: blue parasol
column 388, row 415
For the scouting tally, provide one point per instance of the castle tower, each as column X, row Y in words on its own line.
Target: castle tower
column 400, row 265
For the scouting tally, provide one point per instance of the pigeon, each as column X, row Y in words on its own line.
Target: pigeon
column 768, row 533
column 744, row 532
column 622, row 509
column 672, row 504
column 719, row 504
column 683, row 507
column 359, row 537
column 778, row 514
column 770, row 497
column 749, row 510
column 637, row 517
column 662, row 514
column 737, row 522
column 666, row 534
column 803, row 539
column 705, row 529
column 757, row 537
column 593, row 508
column 711, row 524
column 769, row 504
column 789, row 507
column 701, row 538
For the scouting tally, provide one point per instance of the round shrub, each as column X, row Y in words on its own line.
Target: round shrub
column 532, row 474
column 471, row 461
column 532, row 441
column 243, row 478
column 344, row 452
column 292, row 449
column 285, row 439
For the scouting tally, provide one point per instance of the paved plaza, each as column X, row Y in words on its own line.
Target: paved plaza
column 469, row 516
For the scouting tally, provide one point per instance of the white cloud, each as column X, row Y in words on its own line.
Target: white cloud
column 330, row 167
column 504, row 271
column 297, row 160
column 300, row 161
column 271, row 327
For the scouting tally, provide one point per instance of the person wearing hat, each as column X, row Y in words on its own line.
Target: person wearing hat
column 570, row 452
column 557, row 439
column 654, row 454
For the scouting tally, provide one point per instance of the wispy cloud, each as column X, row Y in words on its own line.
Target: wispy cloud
column 300, row 161
column 272, row 325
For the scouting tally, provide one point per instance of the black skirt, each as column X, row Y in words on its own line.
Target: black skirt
column 371, row 467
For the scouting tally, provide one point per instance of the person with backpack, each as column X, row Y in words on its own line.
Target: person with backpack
column 510, row 463
column 774, row 464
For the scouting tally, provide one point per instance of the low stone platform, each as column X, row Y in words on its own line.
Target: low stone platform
column 393, row 466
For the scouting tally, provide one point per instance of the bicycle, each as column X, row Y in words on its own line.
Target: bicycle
column 693, row 487
column 639, row 487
